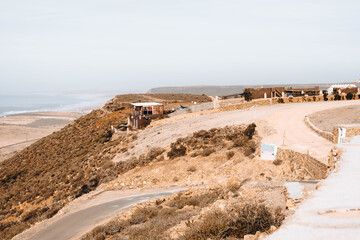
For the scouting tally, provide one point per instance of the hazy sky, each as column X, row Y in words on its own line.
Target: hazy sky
column 72, row 45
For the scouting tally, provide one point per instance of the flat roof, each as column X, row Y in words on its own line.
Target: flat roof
column 146, row 104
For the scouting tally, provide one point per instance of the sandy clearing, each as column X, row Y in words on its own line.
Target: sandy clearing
column 326, row 120
column 282, row 118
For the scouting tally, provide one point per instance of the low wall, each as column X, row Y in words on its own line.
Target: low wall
column 244, row 105
column 352, row 130
column 228, row 102
column 327, row 135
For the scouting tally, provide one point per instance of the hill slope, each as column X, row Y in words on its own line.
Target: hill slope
column 37, row 182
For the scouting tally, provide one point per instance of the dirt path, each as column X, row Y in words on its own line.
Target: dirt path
column 273, row 121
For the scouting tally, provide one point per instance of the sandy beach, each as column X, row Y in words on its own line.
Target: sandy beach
column 21, row 130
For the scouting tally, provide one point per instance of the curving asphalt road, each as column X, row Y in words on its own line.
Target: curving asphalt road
column 77, row 223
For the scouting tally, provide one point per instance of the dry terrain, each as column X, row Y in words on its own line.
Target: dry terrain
column 280, row 124
column 39, row 180
column 199, row 149
column 21, row 130
column 326, row 120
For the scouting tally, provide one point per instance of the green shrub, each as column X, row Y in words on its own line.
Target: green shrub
column 325, row 96
column 247, row 95
column 349, row 96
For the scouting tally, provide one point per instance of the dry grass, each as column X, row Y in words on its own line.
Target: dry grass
column 191, row 169
column 238, row 222
column 204, row 143
column 152, row 221
column 302, row 166
column 36, row 183
column 230, row 154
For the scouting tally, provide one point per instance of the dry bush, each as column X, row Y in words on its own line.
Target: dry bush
column 144, row 214
column 250, row 130
column 239, row 141
column 302, row 166
column 111, row 228
column 205, row 143
column 191, row 169
column 207, row 152
column 154, row 153
column 176, row 151
column 230, row 154
column 194, row 154
column 238, row 222
column 233, row 187
column 203, row 199
column 277, row 162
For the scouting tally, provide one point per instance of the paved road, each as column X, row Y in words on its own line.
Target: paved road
column 78, row 222
column 339, row 194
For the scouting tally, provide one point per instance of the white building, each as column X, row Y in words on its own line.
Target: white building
column 330, row 90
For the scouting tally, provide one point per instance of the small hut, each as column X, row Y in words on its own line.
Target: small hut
column 142, row 114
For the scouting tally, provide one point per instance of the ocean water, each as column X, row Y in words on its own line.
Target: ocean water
column 14, row 104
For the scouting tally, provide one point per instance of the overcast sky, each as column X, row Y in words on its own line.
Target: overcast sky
column 133, row 45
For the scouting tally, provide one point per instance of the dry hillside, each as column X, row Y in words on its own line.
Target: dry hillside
column 121, row 101
column 37, row 182
column 228, row 211
column 215, row 156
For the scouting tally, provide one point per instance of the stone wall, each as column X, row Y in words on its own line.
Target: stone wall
column 327, row 135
